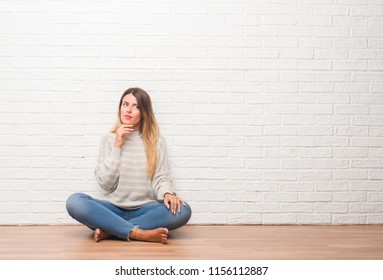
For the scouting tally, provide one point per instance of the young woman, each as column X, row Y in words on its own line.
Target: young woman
column 133, row 169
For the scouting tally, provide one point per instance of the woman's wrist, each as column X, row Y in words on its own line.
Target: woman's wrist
column 117, row 144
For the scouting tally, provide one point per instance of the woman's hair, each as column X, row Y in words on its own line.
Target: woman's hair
column 148, row 127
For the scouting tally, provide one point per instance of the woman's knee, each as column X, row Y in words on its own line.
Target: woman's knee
column 188, row 210
column 186, row 213
column 74, row 201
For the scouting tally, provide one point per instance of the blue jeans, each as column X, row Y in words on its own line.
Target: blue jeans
column 96, row 213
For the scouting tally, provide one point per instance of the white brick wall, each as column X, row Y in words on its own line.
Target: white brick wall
column 272, row 109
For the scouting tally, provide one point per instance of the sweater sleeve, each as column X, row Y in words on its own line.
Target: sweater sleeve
column 162, row 180
column 107, row 171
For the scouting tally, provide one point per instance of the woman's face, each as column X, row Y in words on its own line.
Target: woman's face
column 130, row 112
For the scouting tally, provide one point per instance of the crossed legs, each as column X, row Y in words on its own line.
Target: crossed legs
column 151, row 222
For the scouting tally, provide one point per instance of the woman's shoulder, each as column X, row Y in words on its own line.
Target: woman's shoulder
column 108, row 137
column 161, row 142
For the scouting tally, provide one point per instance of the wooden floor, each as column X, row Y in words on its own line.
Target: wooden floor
column 198, row 243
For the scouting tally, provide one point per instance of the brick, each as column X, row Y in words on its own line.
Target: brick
column 318, row 43
column 332, row 32
column 279, row 219
column 366, row 142
column 351, row 109
column 349, row 197
column 367, row 77
column 264, row 52
column 262, row 142
column 314, row 21
column 299, row 54
column 365, row 54
column 316, row 219
column 244, row 219
column 314, row 197
column 226, row 208
column 331, row 164
column 375, row 175
column 297, row 76
column 302, row 98
column 242, row 64
column 297, row 164
column 218, row 163
column 280, row 20
column 315, row 131
column 354, row 43
column 280, row 175
column 351, row 153
column 280, row 130
column 263, row 208
column 367, row 163
column 227, row 141
column 351, row 87
column 349, row 219
column 245, row 175
column 350, row 65
column 262, row 76
column 365, row 11
column 262, row 164
column 299, row 141
column 280, row 197
column 209, row 218
column 368, row 99
column 313, row 64
column 375, row 219
column 324, row 141
column 209, row 152
column 210, row 196
column 245, row 152
column 263, row 99
column 281, row 152
column 350, row 175
column 226, row 185
column 297, row 187
column 297, row 208
column 333, row 120
column 298, row 120
column 280, row 42
column 262, row 186
column 370, row 207
column 375, row 152
column 245, row 196
column 330, row 207
column 331, row 54
column 350, row 21
column 326, row 186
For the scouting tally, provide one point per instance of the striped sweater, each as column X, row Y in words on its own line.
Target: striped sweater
column 122, row 172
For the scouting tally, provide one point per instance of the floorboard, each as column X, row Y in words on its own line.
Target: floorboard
column 197, row 242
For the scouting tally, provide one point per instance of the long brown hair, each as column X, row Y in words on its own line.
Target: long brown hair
column 148, row 127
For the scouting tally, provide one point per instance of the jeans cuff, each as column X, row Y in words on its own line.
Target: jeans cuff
column 134, row 228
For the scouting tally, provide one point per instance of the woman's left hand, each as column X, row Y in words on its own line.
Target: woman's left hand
column 173, row 201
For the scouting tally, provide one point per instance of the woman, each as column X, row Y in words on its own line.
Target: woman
column 133, row 168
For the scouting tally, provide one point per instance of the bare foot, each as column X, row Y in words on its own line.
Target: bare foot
column 159, row 235
column 99, row 235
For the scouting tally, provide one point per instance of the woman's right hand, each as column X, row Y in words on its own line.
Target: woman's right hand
column 123, row 130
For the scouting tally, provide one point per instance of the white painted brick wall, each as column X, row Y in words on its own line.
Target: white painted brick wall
column 272, row 109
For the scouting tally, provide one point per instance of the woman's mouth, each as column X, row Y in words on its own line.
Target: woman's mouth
column 128, row 117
